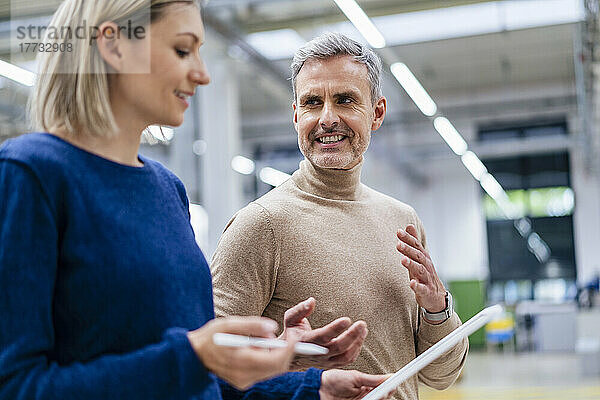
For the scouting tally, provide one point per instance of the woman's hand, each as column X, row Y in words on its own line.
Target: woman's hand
column 337, row 384
column 241, row 366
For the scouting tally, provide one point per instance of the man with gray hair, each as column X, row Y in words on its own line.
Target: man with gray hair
column 324, row 234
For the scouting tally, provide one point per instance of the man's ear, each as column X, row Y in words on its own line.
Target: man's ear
column 109, row 42
column 379, row 114
column 295, row 115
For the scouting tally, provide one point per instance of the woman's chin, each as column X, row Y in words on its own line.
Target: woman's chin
column 174, row 121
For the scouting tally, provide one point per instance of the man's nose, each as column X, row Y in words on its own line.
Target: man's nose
column 329, row 118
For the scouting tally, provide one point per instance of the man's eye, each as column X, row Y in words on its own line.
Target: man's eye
column 345, row 100
column 311, row 102
column 182, row 53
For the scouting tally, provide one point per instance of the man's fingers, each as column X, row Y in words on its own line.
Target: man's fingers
column 370, row 380
column 296, row 314
column 411, row 252
column 409, row 235
column 249, row 326
column 416, row 270
column 325, row 334
column 412, row 231
column 350, row 341
column 420, row 289
column 363, row 391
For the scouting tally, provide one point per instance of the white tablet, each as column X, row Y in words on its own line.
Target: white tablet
column 231, row 340
column 479, row 320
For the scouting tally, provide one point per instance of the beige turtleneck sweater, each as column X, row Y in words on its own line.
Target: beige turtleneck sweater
column 324, row 234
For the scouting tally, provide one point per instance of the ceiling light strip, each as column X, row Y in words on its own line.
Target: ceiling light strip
column 414, row 89
column 17, row 74
column 450, row 135
column 362, row 22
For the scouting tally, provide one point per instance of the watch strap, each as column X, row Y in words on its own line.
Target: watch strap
column 442, row 315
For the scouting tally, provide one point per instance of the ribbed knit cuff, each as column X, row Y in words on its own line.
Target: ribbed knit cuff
column 192, row 374
column 434, row 333
column 312, row 379
column 290, row 386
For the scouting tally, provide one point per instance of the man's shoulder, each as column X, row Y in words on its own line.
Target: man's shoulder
column 267, row 210
column 278, row 199
column 389, row 202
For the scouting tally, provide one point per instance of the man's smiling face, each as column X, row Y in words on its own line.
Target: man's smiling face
column 334, row 113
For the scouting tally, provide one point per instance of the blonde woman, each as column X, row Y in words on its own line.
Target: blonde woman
column 103, row 291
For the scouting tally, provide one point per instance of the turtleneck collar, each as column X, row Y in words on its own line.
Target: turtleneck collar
column 335, row 184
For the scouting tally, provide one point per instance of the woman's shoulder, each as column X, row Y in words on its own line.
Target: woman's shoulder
column 158, row 168
column 34, row 150
column 166, row 176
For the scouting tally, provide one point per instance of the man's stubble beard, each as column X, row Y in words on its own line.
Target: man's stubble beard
column 333, row 160
column 338, row 161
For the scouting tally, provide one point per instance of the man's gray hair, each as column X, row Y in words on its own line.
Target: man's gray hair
column 330, row 45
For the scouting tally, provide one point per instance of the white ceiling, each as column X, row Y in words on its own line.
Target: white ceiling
column 462, row 64
column 443, row 66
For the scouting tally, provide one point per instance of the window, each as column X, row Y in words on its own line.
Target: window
column 539, row 190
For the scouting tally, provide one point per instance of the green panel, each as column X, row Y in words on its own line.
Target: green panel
column 554, row 201
column 469, row 299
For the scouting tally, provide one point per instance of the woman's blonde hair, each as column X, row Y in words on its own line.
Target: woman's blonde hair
column 72, row 88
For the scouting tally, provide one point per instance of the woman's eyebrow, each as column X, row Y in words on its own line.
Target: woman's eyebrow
column 194, row 36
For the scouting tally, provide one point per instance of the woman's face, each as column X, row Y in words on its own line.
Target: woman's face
column 172, row 50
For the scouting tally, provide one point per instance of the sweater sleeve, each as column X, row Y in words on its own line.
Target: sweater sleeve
column 244, row 266
column 29, row 243
column 443, row 371
column 291, row 386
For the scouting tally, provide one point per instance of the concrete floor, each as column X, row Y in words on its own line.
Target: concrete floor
column 523, row 376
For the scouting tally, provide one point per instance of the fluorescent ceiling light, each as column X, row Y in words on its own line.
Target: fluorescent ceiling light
column 523, row 226
column 277, row 44
column 450, row 135
column 496, row 192
column 361, row 21
column 470, row 20
column 443, row 23
column 474, row 165
column 272, row 176
column 492, row 187
column 519, row 14
column 538, row 247
column 414, row 89
column 17, row 74
column 242, row 165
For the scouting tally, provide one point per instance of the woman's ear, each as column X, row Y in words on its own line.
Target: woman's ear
column 109, row 42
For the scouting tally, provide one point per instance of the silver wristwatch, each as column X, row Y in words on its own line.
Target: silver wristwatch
column 442, row 315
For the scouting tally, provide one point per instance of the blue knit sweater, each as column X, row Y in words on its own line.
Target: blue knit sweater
column 100, row 280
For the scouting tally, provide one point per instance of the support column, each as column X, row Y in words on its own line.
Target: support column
column 183, row 162
column 219, row 121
